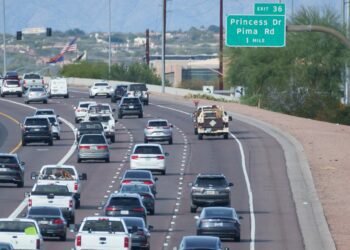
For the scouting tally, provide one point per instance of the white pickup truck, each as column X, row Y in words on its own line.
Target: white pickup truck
column 52, row 195
column 61, row 175
column 107, row 121
column 21, row 233
column 103, row 233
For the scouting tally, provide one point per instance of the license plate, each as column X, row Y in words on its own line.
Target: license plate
column 208, row 130
column 37, row 129
column 218, row 224
column 210, row 192
column 124, row 212
column 3, row 169
column 94, row 147
column 131, row 107
column 44, row 222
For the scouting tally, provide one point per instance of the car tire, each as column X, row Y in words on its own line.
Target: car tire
column 72, row 220
column 141, row 115
column 19, row 95
column 237, row 238
column 163, row 172
column 79, row 160
column 113, row 139
column 45, row 102
column 170, row 141
column 92, row 96
column 195, row 131
column 20, row 184
column 225, row 136
column 76, row 120
column 50, row 142
column 151, row 212
column 26, row 102
column 107, row 160
column 193, row 209
column 66, row 96
column 2, row 95
column 58, row 137
column 120, row 116
column 145, row 140
column 24, row 143
column 63, row 237
column 200, row 136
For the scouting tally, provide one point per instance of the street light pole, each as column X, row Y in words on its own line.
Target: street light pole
column 109, row 38
column 163, row 45
column 3, row 35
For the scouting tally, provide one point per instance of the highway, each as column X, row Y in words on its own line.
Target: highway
column 274, row 224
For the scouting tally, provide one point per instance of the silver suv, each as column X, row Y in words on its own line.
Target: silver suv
column 158, row 130
column 210, row 190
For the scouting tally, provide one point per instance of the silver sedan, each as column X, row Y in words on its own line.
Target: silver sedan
column 93, row 147
column 36, row 94
column 158, row 130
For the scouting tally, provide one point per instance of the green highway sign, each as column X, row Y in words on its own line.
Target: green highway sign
column 255, row 31
column 269, row 9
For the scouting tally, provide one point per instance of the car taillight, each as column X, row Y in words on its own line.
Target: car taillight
column 134, row 157
column 30, row 202
column 126, row 242
column 42, row 81
column 148, row 182
column 19, row 84
column 160, row 157
column 75, row 186
column 24, row 82
column 71, row 203
column 111, row 209
column 84, row 147
column 126, row 181
column 38, row 244
column 78, row 110
column 138, row 209
column 57, row 221
column 78, row 241
column 102, row 147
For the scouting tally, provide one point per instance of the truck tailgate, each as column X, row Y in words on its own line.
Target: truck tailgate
column 19, row 240
column 103, row 241
column 56, row 201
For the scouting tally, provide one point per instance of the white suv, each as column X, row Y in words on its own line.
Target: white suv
column 81, row 110
column 11, row 87
column 100, row 88
column 148, row 157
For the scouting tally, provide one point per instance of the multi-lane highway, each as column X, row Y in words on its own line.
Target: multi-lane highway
column 261, row 192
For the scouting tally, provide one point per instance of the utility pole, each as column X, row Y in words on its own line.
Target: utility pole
column 347, row 69
column 163, row 46
column 221, row 55
column 109, row 39
column 3, row 35
column 147, row 46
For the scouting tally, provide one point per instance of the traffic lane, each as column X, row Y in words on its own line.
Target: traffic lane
column 34, row 155
column 273, row 201
column 8, row 143
column 167, row 185
column 3, row 135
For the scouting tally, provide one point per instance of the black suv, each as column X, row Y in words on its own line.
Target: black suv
column 130, row 106
column 11, row 169
column 36, row 129
column 125, row 204
column 89, row 128
column 210, row 190
column 118, row 93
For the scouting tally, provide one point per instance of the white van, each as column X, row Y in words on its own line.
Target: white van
column 58, row 87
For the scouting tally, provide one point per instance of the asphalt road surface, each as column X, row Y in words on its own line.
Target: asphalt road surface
column 270, row 222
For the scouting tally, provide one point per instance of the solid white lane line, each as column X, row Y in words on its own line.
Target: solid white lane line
column 246, row 178
column 23, row 204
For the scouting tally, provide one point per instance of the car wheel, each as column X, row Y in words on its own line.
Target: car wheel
column 151, row 212
column 58, row 137
column 51, row 142
column 24, row 143
column 26, row 102
column 72, row 220
column 120, row 116
column 145, row 140
column 66, row 96
column 107, row 160
column 141, row 115
column 92, row 96
column 113, row 138
column 79, row 160
column 171, row 141
column 193, row 208
column 195, row 131
column 45, row 102
column 77, row 204
column 225, row 136
column 20, row 184
column 200, row 137
column 163, row 172
column 63, row 237
column 19, row 95
column 237, row 238
column 76, row 120
column 2, row 95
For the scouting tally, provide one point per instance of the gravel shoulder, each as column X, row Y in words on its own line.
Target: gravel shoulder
column 326, row 146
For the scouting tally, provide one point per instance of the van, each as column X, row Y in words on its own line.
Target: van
column 58, row 87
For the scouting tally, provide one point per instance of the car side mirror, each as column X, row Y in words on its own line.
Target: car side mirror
column 74, row 108
column 240, row 217
column 113, row 110
column 134, row 229
column 150, row 227
column 83, row 177
column 33, row 175
column 59, row 122
column 26, row 194
column 230, row 118
column 196, row 217
column 74, row 228
column 190, row 184
column 115, row 120
column 23, row 163
column 230, row 184
column 171, row 126
column 156, row 178
column 166, row 154
column 57, row 115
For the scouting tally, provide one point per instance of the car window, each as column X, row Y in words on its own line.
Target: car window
column 93, row 139
column 99, row 109
column 131, row 101
column 99, row 118
column 124, row 201
column 53, row 189
column 8, row 160
column 101, row 84
column 215, row 182
column 157, row 123
column 44, row 112
column 131, row 222
column 36, row 122
column 32, row 76
column 103, row 225
column 138, row 87
column 54, row 173
column 210, row 213
column 134, row 189
column 16, row 226
column 91, row 125
column 44, row 211
column 9, row 82
column 137, row 174
column 52, row 120
column 84, row 105
column 37, row 90
column 147, row 150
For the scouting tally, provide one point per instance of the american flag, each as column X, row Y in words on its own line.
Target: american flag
column 70, row 46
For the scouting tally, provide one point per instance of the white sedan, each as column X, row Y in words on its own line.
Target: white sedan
column 81, row 110
column 148, row 157
column 100, row 88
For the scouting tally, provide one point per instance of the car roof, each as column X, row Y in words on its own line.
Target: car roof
column 45, row 207
column 87, row 102
column 47, row 116
column 209, row 175
column 44, row 110
column 58, row 166
column 17, row 219
column 137, row 171
column 36, row 117
column 103, row 217
column 197, row 241
column 219, row 208
column 131, row 195
column 7, row 154
column 157, row 120
column 148, row 145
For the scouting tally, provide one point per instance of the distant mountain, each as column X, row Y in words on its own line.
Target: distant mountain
column 127, row 15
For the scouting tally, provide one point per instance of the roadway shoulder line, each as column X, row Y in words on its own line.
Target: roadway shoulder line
column 12, row 151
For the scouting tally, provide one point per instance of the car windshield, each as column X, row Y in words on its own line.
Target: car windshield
column 18, row 227
column 8, row 82
column 93, row 139
column 147, row 150
column 99, row 118
column 221, row 213
column 103, row 225
column 58, row 173
column 51, row 189
column 37, row 90
column 32, row 76
column 101, row 84
column 36, row 122
column 91, row 125
column 84, row 105
column 99, row 109
column 44, row 211
column 52, row 120
column 44, row 112
column 131, row 101
column 214, row 182
column 134, row 189
column 157, row 124
column 7, row 160
column 124, row 201
column 138, row 87
column 137, row 174
column 134, row 222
